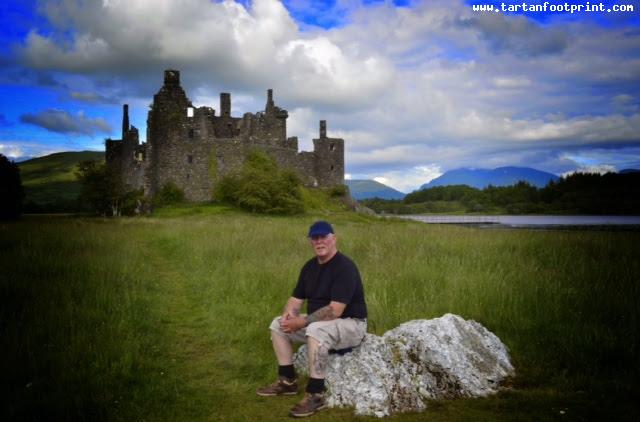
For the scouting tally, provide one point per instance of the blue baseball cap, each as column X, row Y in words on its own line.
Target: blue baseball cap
column 320, row 228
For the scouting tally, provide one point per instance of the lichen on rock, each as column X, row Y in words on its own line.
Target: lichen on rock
column 419, row 360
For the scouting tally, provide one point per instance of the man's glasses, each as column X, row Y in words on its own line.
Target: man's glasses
column 320, row 237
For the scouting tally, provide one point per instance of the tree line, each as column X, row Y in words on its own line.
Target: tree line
column 579, row 193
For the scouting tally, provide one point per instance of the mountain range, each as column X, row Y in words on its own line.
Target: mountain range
column 365, row 189
column 501, row 176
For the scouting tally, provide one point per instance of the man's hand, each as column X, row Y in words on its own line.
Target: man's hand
column 290, row 323
column 289, row 320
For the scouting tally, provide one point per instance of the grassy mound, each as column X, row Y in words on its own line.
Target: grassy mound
column 50, row 183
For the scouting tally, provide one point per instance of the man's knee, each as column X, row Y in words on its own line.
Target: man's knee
column 321, row 332
column 313, row 329
column 337, row 334
column 275, row 326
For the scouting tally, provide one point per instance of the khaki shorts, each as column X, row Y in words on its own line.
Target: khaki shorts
column 335, row 334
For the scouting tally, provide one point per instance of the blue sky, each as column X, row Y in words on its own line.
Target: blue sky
column 414, row 87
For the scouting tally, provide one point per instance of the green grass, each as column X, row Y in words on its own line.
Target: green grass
column 165, row 318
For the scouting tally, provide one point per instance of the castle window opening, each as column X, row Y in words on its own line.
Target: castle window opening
column 190, row 159
column 332, row 168
column 191, row 133
column 332, row 146
column 189, row 111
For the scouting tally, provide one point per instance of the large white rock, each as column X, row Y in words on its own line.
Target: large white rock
column 444, row 357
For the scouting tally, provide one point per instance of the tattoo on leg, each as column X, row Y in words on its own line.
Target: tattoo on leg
column 320, row 359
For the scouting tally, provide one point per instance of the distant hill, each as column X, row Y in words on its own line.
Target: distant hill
column 21, row 159
column 365, row 189
column 627, row 171
column 501, row 176
column 49, row 182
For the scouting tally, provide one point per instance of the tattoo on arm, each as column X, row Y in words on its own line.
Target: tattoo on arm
column 293, row 311
column 323, row 314
column 292, row 307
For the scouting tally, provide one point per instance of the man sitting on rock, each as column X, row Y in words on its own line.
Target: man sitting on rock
column 336, row 319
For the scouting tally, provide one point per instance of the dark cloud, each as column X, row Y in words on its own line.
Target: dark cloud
column 63, row 122
column 517, row 35
column 16, row 75
column 92, row 98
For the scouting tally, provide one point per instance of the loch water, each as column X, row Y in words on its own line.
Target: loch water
column 535, row 221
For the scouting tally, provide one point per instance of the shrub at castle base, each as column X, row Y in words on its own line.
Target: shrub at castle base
column 420, row 360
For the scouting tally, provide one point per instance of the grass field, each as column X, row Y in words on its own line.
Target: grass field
column 164, row 318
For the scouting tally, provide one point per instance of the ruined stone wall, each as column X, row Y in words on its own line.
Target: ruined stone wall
column 264, row 129
column 329, row 161
column 230, row 156
column 166, row 129
column 305, row 163
column 113, row 151
column 127, row 157
column 132, row 164
column 193, row 148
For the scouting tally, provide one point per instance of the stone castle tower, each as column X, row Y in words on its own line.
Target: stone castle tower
column 194, row 148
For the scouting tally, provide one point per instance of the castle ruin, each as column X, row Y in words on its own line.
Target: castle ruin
column 194, row 148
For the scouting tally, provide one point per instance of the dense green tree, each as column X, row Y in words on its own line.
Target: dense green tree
column 104, row 192
column 262, row 187
column 441, row 193
column 11, row 191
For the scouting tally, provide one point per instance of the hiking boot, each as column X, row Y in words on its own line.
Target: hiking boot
column 283, row 387
column 308, row 406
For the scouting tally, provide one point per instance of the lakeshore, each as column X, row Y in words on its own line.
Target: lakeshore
column 531, row 221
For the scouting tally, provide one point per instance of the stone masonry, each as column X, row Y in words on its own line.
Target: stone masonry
column 194, row 148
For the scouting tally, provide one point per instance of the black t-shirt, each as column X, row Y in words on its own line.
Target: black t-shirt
column 337, row 280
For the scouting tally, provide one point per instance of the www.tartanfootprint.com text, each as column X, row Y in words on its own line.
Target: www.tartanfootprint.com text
column 553, row 7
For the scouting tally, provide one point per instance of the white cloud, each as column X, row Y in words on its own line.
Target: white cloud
column 246, row 47
column 429, row 83
column 20, row 148
column 407, row 180
column 11, row 151
column 304, row 124
column 511, row 83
